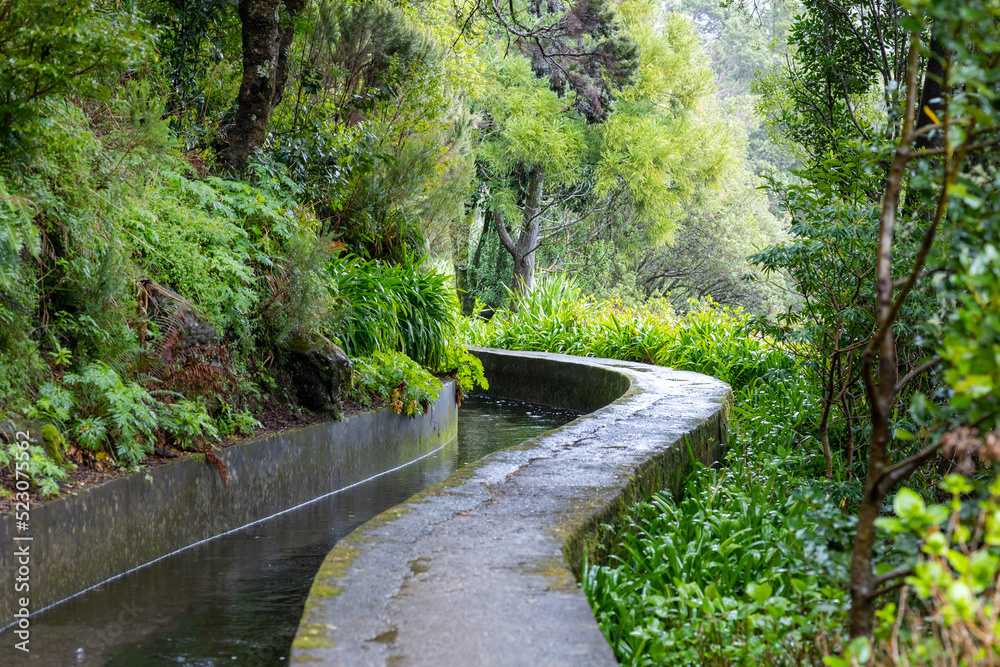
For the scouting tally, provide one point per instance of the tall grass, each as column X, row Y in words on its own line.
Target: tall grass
column 554, row 317
column 397, row 308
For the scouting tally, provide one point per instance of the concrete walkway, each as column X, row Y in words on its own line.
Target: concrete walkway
column 479, row 570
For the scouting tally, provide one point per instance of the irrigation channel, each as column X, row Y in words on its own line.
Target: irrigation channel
column 237, row 599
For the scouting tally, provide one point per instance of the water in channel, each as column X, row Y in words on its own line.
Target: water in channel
column 237, row 599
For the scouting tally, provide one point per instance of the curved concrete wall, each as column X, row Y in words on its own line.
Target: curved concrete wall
column 481, row 569
column 81, row 540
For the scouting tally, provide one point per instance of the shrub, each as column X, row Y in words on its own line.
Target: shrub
column 114, row 413
column 54, row 48
column 394, row 308
column 188, row 423
column 394, row 378
column 33, row 462
column 110, row 416
column 553, row 317
column 946, row 612
column 465, row 366
column 231, row 422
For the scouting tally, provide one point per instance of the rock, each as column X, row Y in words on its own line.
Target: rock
column 174, row 313
column 39, row 434
column 320, row 377
column 189, row 354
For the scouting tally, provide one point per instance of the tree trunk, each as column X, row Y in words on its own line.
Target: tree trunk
column 464, row 289
column 523, row 251
column 881, row 392
column 477, row 257
column 268, row 27
column 930, row 98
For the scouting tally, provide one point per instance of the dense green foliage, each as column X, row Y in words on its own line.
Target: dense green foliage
column 554, row 317
column 395, row 308
column 115, row 234
column 196, row 197
column 396, row 379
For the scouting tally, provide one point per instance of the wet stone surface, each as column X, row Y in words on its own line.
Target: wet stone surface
column 478, row 570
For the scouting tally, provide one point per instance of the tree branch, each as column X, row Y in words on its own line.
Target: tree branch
column 930, row 363
column 505, row 239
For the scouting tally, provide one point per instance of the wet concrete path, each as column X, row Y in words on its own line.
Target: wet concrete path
column 474, row 571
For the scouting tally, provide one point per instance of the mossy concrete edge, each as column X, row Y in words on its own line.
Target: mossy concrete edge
column 554, row 495
column 82, row 539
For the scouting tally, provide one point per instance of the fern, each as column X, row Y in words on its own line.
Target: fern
column 466, row 367
column 42, row 470
column 114, row 411
column 395, row 379
column 189, row 423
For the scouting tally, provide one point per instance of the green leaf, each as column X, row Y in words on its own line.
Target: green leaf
column 907, row 504
column 860, row 650
column 890, row 524
column 955, row 484
column 759, row 593
column 935, row 544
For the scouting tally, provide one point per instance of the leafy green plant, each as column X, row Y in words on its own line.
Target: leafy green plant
column 40, row 469
column 551, row 317
column 107, row 414
column 394, row 378
column 53, row 48
column 394, row 308
column 91, row 432
column 946, row 612
column 110, row 414
column 55, row 403
column 188, row 423
column 229, row 422
column 465, row 366
column 711, row 339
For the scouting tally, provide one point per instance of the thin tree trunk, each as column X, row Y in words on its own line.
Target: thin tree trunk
column 930, row 97
column 286, row 33
column 828, row 400
column 523, row 250
column 882, row 393
column 527, row 242
column 477, row 257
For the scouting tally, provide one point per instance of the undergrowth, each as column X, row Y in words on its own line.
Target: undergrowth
column 748, row 564
column 115, row 250
column 394, row 378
